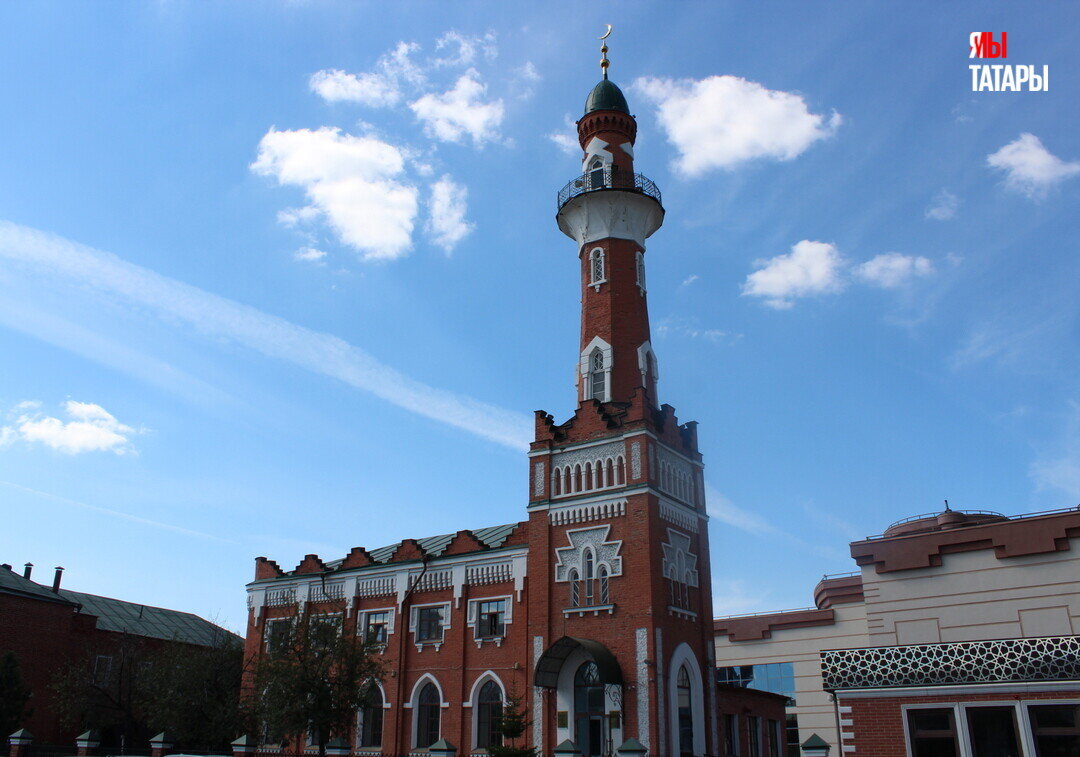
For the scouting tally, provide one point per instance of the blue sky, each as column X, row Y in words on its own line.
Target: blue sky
column 285, row 278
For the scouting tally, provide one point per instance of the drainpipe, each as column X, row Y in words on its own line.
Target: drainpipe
column 403, row 631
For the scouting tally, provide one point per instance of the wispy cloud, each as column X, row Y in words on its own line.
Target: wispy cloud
column 691, row 329
column 893, row 269
column 731, row 597
column 943, row 206
column 115, row 513
column 1059, row 470
column 42, row 253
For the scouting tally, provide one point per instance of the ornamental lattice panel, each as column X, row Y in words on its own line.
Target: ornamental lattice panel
column 1053, row 658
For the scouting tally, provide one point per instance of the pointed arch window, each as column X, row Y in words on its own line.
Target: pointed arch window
column 575, row 589
column 488, row 714
column 597, row 376
column 428, row 715
column 639, row 267
column 684, row 703
column 597, row 267
column 605, row 588
column 590, row 589
column 370, row 718
column 596, row 174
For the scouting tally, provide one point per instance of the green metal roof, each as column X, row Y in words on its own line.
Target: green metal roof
column 491, row 537
column 152, row 622
column 13, row 583
column 606, row 96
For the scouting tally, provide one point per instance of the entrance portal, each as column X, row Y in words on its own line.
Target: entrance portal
column 589, row 722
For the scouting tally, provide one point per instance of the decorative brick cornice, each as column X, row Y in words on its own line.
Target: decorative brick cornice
column 310, row 564
column 752, row 627
column 1016, row 537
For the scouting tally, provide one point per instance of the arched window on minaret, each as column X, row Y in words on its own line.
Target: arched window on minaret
column 567, row 482
column 556, row 484
column 639, row 261
column 588, row 476
column 596, row 174
column 575, row 589
column 610, row 473
column 590, row 589
column 597, row 376
column 605, row 589
column 620, row 471
column 598, row 273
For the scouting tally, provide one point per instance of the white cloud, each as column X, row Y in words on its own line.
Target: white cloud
column 398, row 63
column 223, row 320
column 309, row 255
column 723, row 121
column 810, row 268
column 352, row 182
column 1030, row 168
column 725, row 511
column 943, row 206
column 372, row 89
column 460, row 112
column 893, row 269
column 465, row 49
column 89, row 428
column 689, row 280
column 688, row 327
column 566, row 138
column 290, row 218
column 446, row 213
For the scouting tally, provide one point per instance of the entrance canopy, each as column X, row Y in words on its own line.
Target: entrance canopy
column 551, row 662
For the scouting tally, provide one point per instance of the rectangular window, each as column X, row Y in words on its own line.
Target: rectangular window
column 102, row 669
column 376, row 626
column 277, row 634
column 324, row 630
column 793, row 742
column 992, row 731
column 1056, row 729
column 774, row 738
column 753, row 735
column 490, row 619
column 932, row 732
column 731, row 735
column 777, row 677
column 429, row 624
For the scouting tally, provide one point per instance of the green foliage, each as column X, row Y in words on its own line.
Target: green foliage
column 512, row 725
column 14, row 695
column 311, row 680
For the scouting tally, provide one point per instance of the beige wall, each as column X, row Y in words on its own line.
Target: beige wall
column 973, row 596
column 801, row 647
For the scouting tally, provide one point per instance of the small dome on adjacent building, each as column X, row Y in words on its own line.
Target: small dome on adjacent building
column 606, row 96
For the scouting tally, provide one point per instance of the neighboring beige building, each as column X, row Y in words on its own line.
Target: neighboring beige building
column 955, row 576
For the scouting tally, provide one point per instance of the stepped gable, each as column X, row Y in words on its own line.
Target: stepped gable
column 408, row 549
column 310, row 564
column 358, row 557
column 265, row 568
column 464, row 541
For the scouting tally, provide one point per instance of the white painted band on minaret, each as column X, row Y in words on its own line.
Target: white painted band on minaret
column 610, row 214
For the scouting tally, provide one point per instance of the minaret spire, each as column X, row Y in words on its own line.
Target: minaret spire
column 604, row 62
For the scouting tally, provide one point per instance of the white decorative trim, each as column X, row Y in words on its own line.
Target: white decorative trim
column 635, row 460
column 414, row 619
column 587, row 512
column 605, row 553
column 612, row 214
column 675, row 476
column 538, row 700
column 361, row 618
column 684, row 656
column 413, row 703
column 479, row 575
column 680, row 515
column 590, row 609
column 594, row 253
column 680, row 563
column 641, row 655
column 538, row 478
column 644, row 350
column 661, row 721
column 585, row 367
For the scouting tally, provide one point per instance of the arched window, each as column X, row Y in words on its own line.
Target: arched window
column 428, row 713
column 588, row 476
column 596, row 174
column 370, row 718
column 684, row 702
column 566, row 480
column 575, row 589
column 639, row 260
column 590, row 726
column 556, row 484
column 620, row 473
column 589, row 568
column 605, row 590
column 597, row 379
column 489, row 707
column 610, row 472
column 577, row 478
column 596, row 266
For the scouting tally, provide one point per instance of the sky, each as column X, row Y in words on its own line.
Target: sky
column 284, row 278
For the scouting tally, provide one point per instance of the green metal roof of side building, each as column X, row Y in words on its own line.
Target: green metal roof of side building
column 491, row 537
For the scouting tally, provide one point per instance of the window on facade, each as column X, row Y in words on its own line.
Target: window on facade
column 324, row 630
column 685, row 711
column 376, row 626
column 793, row 743
column 277, row 634
column 992, row 731
column 370, row 718
column 1055, row 729
column 597, row 379
column 590, row 723
column 753, row 736
column 575, row 589
column 589, row 588
column 774, row 738
column 596, row 259
column 731, row 735
column 639, row 260
column 605, row 587
column 932, row 732
column 488, row 713
column 428, row 712
column 102, row 669
column 596, row 174
column 490, row 618
column 777, row 677
column 429, row 624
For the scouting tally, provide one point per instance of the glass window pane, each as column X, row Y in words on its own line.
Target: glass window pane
column 932, row 732
column 1056, row 728
column 992, row 731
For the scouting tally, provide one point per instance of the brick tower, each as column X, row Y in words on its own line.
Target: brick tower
column 621, row 638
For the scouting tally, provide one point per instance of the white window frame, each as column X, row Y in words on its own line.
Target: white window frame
column 639, row 271
column 474, row 700
column 266, row 629
column 585, row 368
column 360, row 722
column 414, row 701
column 362, row 620
column 473, row 619
column 1023, row 723
column 594, row 253
column 414, row 626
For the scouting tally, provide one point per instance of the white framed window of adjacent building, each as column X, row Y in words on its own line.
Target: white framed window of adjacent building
column 1026, row 728
column 429, row 623
column 488, row 617
column 374, row 626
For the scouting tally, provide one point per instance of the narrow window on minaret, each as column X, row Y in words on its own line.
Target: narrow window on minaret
column 589, row 588
column 575, row 596
column 640, row 261
column 597, row 379
column 597, row 257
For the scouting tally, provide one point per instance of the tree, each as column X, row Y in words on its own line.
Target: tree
column 311, row 680
column 512, row 725
column 14, row 695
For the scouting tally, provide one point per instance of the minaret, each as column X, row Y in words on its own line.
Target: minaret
column 610, row 211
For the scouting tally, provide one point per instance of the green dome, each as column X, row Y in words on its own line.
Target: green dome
column 606, row 96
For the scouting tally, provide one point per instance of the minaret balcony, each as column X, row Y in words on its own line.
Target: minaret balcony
column 609, row 178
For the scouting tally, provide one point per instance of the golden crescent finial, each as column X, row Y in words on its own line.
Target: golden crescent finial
column 608, row 32
column 604, row 62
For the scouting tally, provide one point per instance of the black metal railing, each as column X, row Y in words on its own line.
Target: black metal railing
column 608, row 177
